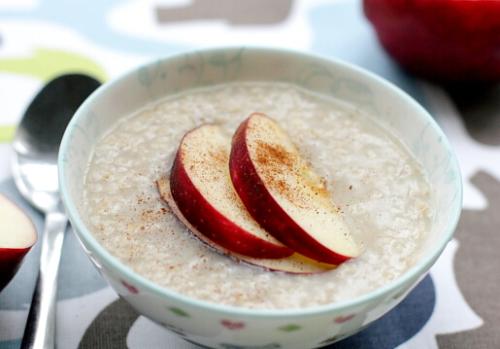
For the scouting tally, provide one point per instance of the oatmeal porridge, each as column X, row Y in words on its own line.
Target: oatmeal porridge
column 381, row 190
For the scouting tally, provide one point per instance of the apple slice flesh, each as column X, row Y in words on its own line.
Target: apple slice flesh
column 284, row 195
column 202, row 188
column 17, row 236
column 294, row 264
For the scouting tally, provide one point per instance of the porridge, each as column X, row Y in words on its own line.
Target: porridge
column 380, row 189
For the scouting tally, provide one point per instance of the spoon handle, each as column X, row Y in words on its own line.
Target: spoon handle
column 40, row 326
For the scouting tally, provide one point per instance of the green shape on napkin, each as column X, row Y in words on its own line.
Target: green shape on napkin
column 46, row 64
column 6, row 133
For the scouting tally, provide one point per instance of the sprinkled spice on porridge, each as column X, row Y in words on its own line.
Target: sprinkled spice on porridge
column 379, row 188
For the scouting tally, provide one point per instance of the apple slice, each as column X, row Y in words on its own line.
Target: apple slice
column 17, row 236
column 284, row 195
column 204, row 193
column 294, row 264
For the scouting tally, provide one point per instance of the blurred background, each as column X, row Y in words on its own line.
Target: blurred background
column 445, row 53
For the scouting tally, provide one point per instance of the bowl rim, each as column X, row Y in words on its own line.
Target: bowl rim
column 415, row 272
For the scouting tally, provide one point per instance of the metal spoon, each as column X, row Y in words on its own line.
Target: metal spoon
column 34, row 167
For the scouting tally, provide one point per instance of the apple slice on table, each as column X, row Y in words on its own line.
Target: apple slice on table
column 284, row 195
column 294, row 264
column 203, row 191
column 17, row 236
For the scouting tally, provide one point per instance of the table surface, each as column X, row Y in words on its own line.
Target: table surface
column 455, row 306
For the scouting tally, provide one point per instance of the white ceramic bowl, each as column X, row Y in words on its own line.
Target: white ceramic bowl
column 220, row 326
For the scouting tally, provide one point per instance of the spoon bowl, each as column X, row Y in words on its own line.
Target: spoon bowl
column 37, row 138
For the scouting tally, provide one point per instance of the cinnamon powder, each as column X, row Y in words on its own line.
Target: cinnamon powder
column 281, row 168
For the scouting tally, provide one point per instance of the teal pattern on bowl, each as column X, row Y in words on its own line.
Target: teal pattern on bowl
column 221, row 326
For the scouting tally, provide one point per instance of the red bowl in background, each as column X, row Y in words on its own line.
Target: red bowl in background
column 444, row 40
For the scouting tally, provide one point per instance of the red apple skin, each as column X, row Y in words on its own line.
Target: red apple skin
column 443, row 40
column 265, row 210
column 11, row 258
column 294, row 264
column 10, row 261
column 210, row 222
